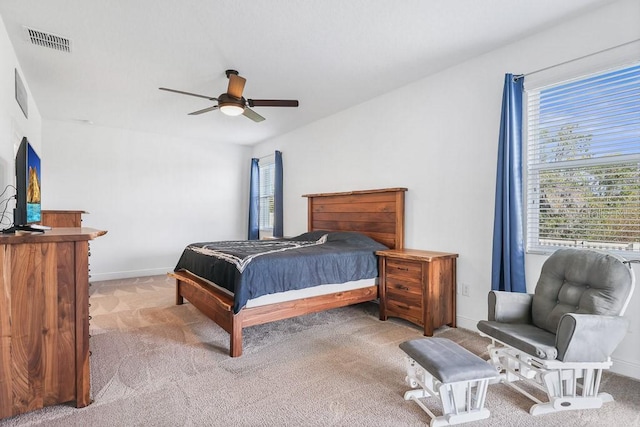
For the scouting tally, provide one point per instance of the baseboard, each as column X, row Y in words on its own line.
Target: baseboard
column 98, row 277
column 466, row 323
column 626, row 368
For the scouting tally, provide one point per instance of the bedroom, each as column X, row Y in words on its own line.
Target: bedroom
column 449, row 169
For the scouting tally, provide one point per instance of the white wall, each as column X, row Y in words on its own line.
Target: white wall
column 154, row 194
column 13, row 124
column 438, row 137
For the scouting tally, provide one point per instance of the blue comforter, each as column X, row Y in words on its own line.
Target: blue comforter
column 250, row 269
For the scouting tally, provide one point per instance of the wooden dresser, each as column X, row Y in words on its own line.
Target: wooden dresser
column 418, row 286
column 44, row 319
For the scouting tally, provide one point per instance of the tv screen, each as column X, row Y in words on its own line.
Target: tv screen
column 33, row 186
column 28, row 185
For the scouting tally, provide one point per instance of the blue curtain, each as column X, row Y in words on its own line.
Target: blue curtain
column 508, row 241
column 254, row 201
column 277, row 197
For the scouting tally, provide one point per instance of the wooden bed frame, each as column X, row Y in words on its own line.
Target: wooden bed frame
column 376, row 213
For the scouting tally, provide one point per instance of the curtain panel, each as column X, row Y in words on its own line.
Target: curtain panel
column 278, row 204
column 508, row 272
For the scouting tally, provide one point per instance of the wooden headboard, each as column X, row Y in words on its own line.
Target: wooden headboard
column 377, row 213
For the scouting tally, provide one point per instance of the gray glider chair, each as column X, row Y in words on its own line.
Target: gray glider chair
column 561, row 338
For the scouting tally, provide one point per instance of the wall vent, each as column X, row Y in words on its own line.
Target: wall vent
column 52, row 41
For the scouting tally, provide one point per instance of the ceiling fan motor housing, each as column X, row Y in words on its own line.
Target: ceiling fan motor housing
column 230, row 105
column 226, row 99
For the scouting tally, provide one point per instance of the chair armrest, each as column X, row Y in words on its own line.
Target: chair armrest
column 510, row 307
column 589, row 337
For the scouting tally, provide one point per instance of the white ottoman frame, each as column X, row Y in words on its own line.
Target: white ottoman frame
column 462, row 401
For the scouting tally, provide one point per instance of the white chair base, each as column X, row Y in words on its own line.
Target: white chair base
column 557, row 404
column 568, row 386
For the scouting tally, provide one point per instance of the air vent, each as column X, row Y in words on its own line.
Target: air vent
column 52, row 41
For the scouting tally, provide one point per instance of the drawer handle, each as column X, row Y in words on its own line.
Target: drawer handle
column 403, row 268
column 402, row 287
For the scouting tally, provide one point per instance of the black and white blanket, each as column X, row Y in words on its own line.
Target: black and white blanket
column 250, row 269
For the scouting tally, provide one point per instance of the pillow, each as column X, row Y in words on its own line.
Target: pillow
column 310, row 236
column 350, row 238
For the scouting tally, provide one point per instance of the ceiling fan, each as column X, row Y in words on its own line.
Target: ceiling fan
column 232, row 103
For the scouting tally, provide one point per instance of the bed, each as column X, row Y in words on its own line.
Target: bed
column 377, row 214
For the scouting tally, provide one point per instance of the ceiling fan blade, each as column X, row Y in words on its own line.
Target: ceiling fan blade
column 236, row 85
column 204, row 110
column 189, row 93
column 272, row 102
column 248, row 112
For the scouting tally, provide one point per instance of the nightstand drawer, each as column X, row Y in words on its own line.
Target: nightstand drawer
column 405, row 311
column 401, row 286
column 404, row 298
column 407, row 270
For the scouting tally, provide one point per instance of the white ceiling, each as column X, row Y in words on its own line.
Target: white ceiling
column 328, row 54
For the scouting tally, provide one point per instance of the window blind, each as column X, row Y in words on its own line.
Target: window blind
column 267, row 181
column 583, row 162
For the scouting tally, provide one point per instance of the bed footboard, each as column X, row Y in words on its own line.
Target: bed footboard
column 213, row 303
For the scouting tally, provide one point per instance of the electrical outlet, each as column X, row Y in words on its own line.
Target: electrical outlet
column 465, row 289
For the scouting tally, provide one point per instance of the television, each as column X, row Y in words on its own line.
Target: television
column 28, row 185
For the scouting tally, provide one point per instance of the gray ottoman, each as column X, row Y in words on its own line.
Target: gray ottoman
column 442, row 369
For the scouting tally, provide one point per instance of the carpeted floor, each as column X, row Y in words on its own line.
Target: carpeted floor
column 157, row 364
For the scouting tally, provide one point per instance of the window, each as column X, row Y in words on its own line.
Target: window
column 583, row 163
column 267, row 191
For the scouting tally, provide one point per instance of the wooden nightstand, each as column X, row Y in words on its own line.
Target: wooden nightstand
column 418, row 286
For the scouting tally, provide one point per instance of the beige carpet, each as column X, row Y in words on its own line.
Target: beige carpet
column 157, row 364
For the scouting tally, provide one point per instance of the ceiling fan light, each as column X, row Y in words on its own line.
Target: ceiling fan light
column 232, row 109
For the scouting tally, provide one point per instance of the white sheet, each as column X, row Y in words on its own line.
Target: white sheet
column 302, row 293
column 313, row 291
